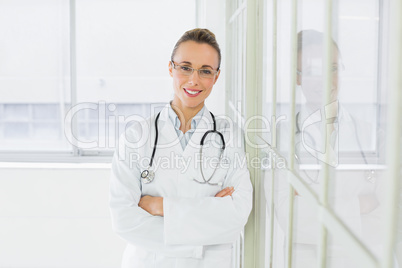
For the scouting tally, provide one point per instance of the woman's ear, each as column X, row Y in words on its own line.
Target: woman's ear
column 170, row 69
column 217, row 76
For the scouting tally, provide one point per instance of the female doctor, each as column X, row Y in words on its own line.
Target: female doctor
column 180, row 193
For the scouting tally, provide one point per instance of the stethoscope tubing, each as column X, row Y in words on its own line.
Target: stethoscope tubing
column 148, row 176
column 156, row 140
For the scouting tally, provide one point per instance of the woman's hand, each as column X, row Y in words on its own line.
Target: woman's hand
column 225, row 192
column 153, row 205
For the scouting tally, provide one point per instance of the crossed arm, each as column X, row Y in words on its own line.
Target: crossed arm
column 208, row 219
column 154, row 204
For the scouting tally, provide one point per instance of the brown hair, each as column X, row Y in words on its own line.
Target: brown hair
column 201, row 36
column 307, row 38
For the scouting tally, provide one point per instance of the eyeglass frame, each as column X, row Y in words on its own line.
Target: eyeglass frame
column 342, row 68
column 198, row 70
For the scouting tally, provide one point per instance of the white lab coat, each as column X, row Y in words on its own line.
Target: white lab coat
column 197, row 229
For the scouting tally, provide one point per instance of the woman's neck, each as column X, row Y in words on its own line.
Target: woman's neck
column 185, row 114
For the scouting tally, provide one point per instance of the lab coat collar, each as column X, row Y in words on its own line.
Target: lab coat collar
column 306, row 113
column 204, row 124
column 164, row 114
column 176, row 122
column 309, row 128
column 169, row 136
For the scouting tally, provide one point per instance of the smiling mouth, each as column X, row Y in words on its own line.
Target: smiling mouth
column 192, row 93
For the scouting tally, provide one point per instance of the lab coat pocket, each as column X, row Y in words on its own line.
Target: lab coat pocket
column 218, row 258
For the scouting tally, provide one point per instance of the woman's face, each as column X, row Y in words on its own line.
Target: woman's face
column 311, row 79
column 191, row 91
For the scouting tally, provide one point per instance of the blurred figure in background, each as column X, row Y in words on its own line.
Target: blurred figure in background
column 354, row 195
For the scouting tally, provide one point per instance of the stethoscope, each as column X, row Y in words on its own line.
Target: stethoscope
column 370, row 174
column 148, row 175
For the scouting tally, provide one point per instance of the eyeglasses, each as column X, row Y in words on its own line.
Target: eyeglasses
column 335, row 69
column 186, row 70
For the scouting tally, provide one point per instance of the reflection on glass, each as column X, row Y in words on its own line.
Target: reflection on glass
column 310, row 79
column 352, row 193
column 355, row 190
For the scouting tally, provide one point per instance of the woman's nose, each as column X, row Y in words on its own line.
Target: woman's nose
column 194, row 78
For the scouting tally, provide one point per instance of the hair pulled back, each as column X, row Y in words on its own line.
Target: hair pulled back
column 308, row 38
column 201, row 36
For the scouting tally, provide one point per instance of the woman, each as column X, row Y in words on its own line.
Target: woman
column 173, row 209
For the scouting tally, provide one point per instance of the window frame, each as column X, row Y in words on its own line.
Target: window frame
column 74, row 154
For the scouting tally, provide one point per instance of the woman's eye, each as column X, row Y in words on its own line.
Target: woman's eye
column 185, row 69
column 204, row 71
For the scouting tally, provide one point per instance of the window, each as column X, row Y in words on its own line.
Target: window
column 334, row 180
column 118, row 51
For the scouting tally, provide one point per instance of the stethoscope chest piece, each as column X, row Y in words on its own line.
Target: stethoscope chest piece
column 147, row 176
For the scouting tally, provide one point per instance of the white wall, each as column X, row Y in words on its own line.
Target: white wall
column 56, row 217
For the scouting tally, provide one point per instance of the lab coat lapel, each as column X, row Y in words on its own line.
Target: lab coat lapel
column 168, row 139
column 312, row 137
column 205, row 124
